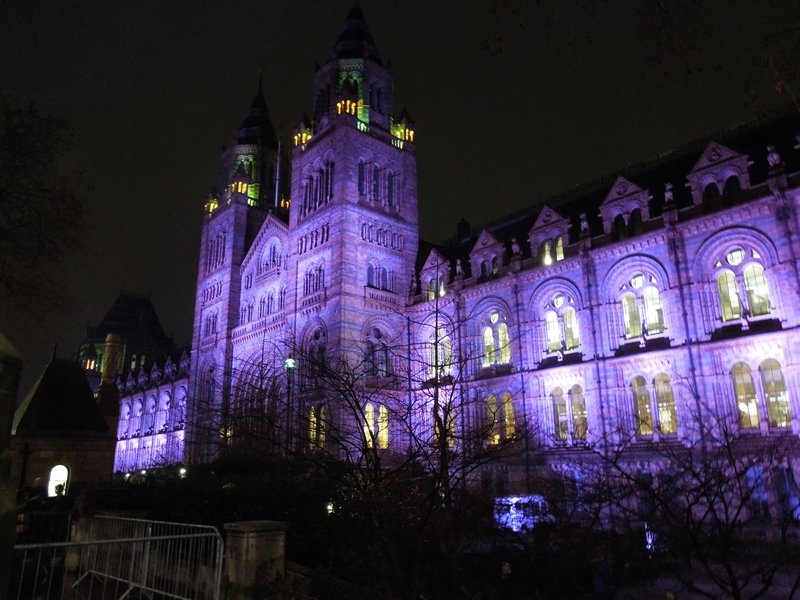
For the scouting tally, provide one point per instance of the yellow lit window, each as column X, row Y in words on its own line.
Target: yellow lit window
column 572, row 337
column 369, row 425
column 488, row 347
column 578, row 406
column 383, row 427
column 653, row 313
column 665, row 400
column 494, row 424
column 775, row 393
column 745, row 391
column 509, row 416
column 755, row 284
column 641, row 400
column 728, row 296
column 630, row 317
column 559, row 248
column 553, row 331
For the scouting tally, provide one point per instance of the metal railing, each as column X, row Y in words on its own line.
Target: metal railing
column 123, row 558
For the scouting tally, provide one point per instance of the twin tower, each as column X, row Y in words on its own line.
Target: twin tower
column 327, row 266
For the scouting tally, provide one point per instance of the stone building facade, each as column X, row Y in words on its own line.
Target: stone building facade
column 661, row 306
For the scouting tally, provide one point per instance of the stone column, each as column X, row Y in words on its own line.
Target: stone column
column 10, row 366
column 255, row 554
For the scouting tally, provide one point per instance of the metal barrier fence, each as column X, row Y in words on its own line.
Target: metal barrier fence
column 123, row 558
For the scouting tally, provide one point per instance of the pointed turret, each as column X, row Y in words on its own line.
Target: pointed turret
column 257, row 127
column 355, row 40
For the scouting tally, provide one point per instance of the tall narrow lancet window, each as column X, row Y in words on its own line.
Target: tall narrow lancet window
column 376, row 184
column 653, row 313
column 546, row 252
column 775, row 394
column 489, row 354
column 504, row 343
column 362, row 178
column 560, row 248
column 390, row 189
column 441, row 358
column 572, row 338
column 755, row 284
column 493, row 430
column 509, row 416
column 369, row 425
column 729, row 302
column 744, row 390
column 370, row 275
column 665, row 401
column 553, row 330
column 578, row 406
column 383, row 427
column 560, row 417
column 641, row 403
column 631, row 320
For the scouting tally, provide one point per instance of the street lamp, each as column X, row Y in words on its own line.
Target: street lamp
column 289, row 365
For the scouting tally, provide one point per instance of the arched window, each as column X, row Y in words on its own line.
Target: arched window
column 369, row 425
column 732, row 186
column 635, row 222
column 665, row 401
column 775, row 394
column 376, row 426
column 572, row 337
column 630, row 316
column 755, row 289
column 559, row 248
column 711, row 193
column 560, row 417
column 619, row 228
column 509, row 416
column 496, row 343
column 553, row 331
column 441, row 354
column 58, row 482
column 495, row 266
column 316, row 427
column 362, row 172
column 390, row 189
column 383, row 427
column 493, row 436
column 546, row 252
column 384, row 284
column 484, row 271
column 370, row 275
column 653, row 313
column 578, row 406
column 641, row 402
column 728, row 296
column 744, row 391
column 377, row 355
column 755, row 285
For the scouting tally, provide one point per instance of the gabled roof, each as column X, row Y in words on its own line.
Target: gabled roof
column 714, row 154
column 548, row 217
column 622, row 188
column 436, row 260
column 60, row 404
column 486, row 240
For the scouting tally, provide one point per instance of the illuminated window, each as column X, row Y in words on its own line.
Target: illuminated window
column 755, row 285
column 653, row 313
column 728, row 296
column 735, row 257
column 317, row 427
column 643, row 410
column 630, row 316
column 559, row 248
column 745, row 392
column 775, row 394
column 58, row 482
column 578, row 406
column 376, row 426
column 501, row 419
column 665, row 401
column 441, row 354
column 545, row 252
column 561, row 419
column 383, row 427
column 553, row 331
column 571, row 336
column 369, row 425
column 496, row 343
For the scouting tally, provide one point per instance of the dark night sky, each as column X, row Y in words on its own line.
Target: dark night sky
column 514, row 101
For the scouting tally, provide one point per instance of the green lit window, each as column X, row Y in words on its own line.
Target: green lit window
column 560, row 417
column 775, row 393
column 755, row 284
column 665, row 400
column 641, row 402
column 578, row 406
column 728, row 296
column 630, row 317
column 653, row 313
column 745, row 391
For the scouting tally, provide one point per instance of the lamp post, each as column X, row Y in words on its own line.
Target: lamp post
column 289, row 365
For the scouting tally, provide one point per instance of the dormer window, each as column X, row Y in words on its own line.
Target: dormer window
column 436, row 288
column 551, row 251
